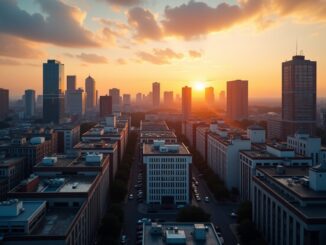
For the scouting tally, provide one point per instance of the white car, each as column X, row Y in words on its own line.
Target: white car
column 131, row 196
column 233, row 214
column 206, row 199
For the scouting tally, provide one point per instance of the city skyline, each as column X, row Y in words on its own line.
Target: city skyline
column 138, row 52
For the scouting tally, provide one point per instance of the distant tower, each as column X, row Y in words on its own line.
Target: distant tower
column 115, row 93
column 30, row 103
column 168, row 99
column 4, row 103
column 222, row 99
column 105, row 106
column 76, row 102
column 237, row 100
column 53, row 91
column 186, row 102
column 209, row 95
column 71, row 83
column 299, row 95
column 126, row 101
column 156, row 94
column 139, row 98
column 90, row 88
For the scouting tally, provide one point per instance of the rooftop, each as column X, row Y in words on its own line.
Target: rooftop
column 96, row 145
column 153, row 126
column 185, row 229
column 158, row 134
column 176, row 149
column 9, row 161
column 263, row 154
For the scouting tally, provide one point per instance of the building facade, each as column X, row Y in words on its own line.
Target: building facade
column 237, row 100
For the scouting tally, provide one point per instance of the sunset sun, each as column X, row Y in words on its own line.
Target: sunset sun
column 199, row 86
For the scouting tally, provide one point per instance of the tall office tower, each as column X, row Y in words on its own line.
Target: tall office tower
column 30, row 103
column 126, row 101
column 71, row 83
column 209, row 95
column 115, row 93
column 105, row 106
column 76, row 102
column 4, row 103
column 299, row 96
column 156, row 94
column 53, row 91
column 186, row 102
column 237, row 100
column 139, row 98
column 168, row 98
column 90, row 89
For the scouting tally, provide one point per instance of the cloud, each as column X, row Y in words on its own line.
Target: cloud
column 18, row 48
column 195, row 54
column 60, row 25
column 123, row 2
column 121, row 61
column 92, row 58
column 145, row 24
column 9, row 62
column 159, row 56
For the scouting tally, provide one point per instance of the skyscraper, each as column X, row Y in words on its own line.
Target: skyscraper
column 90, row 89
column 4, row 103
column 237, row 100
column 222, row 99
column 76, row 103
column 105, row 106
column 53, row 91
column 30, row 103
column 168, row 98
column 186, row 102
column 299, row 96
column 115, row 93
column 126, row 101
column 139, row 97
column 156, row 94
column 71, row 83
column 209, row 95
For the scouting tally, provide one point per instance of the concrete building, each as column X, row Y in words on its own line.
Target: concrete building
column 237, row 100
column 209, row 96
column 76, row 102
column 168, row 99
column 156, row 92
column 168, row 173
column 53, row 91
column 90, row 89
column 126, row 102
column 71, row 82
column 30, row 103
column 139, row 98
column 4, row 102
column 201, row 140
column 115, row 93
column 289, row 204
column 105, row 106
column 222, row 100
column 186, row 102
column 223, row 147
column 180, row 233
column 68, row 137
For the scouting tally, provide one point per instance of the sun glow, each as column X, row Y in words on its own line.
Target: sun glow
column 199, row 86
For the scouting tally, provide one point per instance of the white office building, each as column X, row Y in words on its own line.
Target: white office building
column 168, row 173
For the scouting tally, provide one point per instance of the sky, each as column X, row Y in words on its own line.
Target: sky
column 129, row 44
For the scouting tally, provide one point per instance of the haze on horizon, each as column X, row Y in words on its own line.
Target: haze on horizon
column 129, row 44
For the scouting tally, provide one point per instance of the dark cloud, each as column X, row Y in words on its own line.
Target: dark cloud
column 159, row 56
column 17, row 48
column 195, row 54
column 61, row 25
column 123, row 2
column 145, row 24
column 92, row 58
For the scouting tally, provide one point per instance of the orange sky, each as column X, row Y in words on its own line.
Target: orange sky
column 134, row 43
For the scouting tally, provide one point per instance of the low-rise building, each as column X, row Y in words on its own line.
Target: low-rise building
column 68, row 137
column 201, row 140
column 149, row 137
column 168, row 173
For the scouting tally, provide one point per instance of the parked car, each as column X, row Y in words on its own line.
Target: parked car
column 131, row 196
column 233, row 214
column 206, row 199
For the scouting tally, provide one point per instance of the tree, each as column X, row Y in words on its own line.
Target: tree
column 193, row 214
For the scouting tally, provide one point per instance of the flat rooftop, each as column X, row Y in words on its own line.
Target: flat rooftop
column 158, row 134
column 263, row 154
column 97, row 145
column 230, row 136
column 58, row 184
column 188, row 228
column 148, row 149
column 153, row 126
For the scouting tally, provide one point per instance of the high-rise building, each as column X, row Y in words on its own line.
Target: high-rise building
column 76, row 103
column 30, row 103
column 105, row 106
column 156, row 94
column 90, row 89
column 222, row 100
column 299, row 96
column 209, row 95
column 115, row 93
column 168, row 98
column 126, row 101
column 53, row 91
column 71, row 82
column 4, row 102
column 186, row 102
column 237, row 100
column 139, row 98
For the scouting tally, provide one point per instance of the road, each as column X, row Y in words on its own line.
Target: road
column 219, row 211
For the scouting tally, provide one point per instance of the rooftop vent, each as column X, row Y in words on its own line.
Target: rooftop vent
column 94, row 158
column 49, row 161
